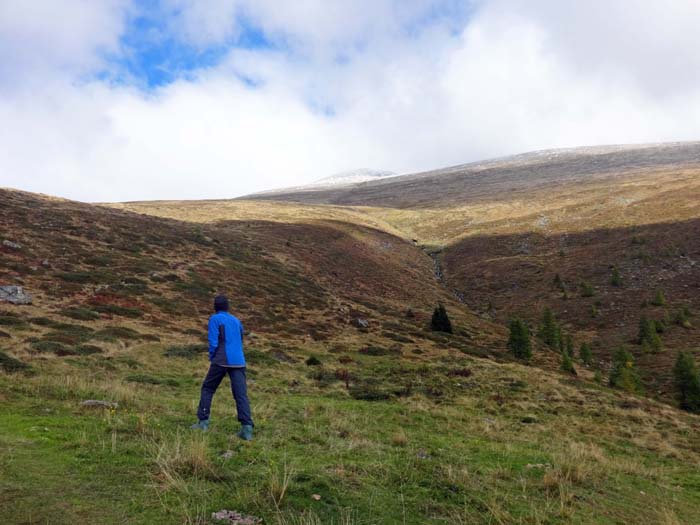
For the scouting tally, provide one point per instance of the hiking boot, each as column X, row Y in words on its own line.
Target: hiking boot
column 246, row 432
column 202, row 425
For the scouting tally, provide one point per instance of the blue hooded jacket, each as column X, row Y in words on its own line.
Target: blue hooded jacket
column 226, row 340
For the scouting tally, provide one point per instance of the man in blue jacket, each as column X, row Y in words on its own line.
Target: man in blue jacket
column 226, row 356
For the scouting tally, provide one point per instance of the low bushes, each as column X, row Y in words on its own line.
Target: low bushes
column 186, row 351
column 10, row 364
column 81, row 314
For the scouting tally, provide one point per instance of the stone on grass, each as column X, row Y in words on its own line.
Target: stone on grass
column 12, row 245
column 15, row 295
column 359, row 322
column 231, row 517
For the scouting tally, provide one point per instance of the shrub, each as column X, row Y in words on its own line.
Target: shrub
column 75, row 277
column 114, row 333
column 186, row 351
column 81, row 314
column 376, row 351
column 440, row 321
column 313, row 361
column 623, row 373
column 88, row 350
column 397, row 337
column 122, row 311
column 10, row 364
column 519, row 340
column 368, row 392
column 196, row 287
column 687, row 382
column 69, row 333
column 44, row 321
column 11, row 320
column 52, row 347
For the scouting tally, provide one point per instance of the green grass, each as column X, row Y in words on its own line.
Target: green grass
column 511, row 444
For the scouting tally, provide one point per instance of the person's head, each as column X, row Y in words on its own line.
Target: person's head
column 220, row 303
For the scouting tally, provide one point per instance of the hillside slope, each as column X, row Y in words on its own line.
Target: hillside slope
column 503, row 230
column 468, row 183
column 387, row 424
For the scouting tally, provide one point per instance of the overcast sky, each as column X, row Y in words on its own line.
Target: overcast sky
column 109, row 100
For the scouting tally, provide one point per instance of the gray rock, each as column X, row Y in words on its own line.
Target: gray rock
column 12, row 245
column 282, row 356
column 14, row 295
column 98, row 403
column 360, row 323
column 235, row 518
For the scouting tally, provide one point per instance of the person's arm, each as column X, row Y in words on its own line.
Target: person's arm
column 213, row 337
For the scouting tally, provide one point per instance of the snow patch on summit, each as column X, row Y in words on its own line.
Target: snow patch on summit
column 352, row 177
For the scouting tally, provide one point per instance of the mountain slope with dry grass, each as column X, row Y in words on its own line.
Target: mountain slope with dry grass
column 503, row 230
column 382, row 423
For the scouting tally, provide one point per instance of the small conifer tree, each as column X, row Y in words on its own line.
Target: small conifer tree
column 587, row 289
column 687, row 382
column 567, row 364
column 585, row 354
column 569, row 349
column 659, row 299
column 519, row 339
column 549, row 331
column 616, row 278
column 598, row 377
column 558, row 283
column 681, row 318
column 441, row 321
column 648, row 336
column 623, row 373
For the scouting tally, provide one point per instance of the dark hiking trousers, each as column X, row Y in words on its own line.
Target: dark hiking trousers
column 238, row 387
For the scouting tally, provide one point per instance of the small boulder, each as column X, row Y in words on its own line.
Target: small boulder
column 15, row 295
column 11, row 245
column 231, row 517
column 360, row 322
column 422, row 454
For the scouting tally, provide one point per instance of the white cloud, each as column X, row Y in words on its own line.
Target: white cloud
column 517, row 76
column 44, row 37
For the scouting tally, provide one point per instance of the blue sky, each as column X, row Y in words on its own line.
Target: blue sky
column 153, row 55
column 174, row 99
